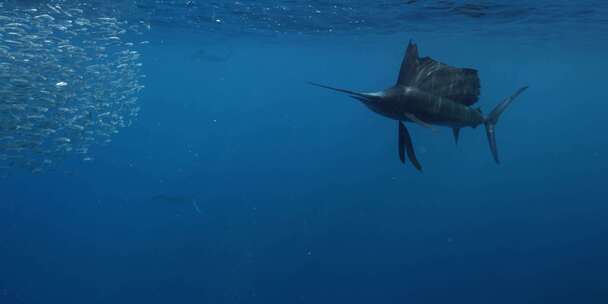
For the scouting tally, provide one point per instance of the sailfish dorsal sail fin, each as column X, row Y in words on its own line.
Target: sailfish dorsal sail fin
column 458, row 84
column 409, row 65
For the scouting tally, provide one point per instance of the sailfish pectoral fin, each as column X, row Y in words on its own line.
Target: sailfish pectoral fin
column 406, row 140
column 417, row 120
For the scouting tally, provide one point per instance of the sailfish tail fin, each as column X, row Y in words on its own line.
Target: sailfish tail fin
column 492, row 119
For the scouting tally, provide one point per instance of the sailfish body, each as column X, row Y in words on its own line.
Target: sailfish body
column 430, row 93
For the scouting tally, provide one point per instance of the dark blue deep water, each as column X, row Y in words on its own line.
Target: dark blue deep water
column 240, row 183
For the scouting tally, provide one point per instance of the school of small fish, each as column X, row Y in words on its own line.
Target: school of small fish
column 68, row 81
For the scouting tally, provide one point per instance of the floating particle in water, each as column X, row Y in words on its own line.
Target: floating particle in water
column 196, row 208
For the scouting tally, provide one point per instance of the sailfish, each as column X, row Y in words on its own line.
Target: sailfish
column 431, row 93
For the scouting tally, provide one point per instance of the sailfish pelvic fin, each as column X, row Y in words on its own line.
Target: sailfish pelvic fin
column 405, row 143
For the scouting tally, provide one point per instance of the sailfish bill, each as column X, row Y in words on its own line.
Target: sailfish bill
column 356, row 95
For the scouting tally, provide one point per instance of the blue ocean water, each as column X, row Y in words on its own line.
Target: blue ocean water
column 240, row 183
